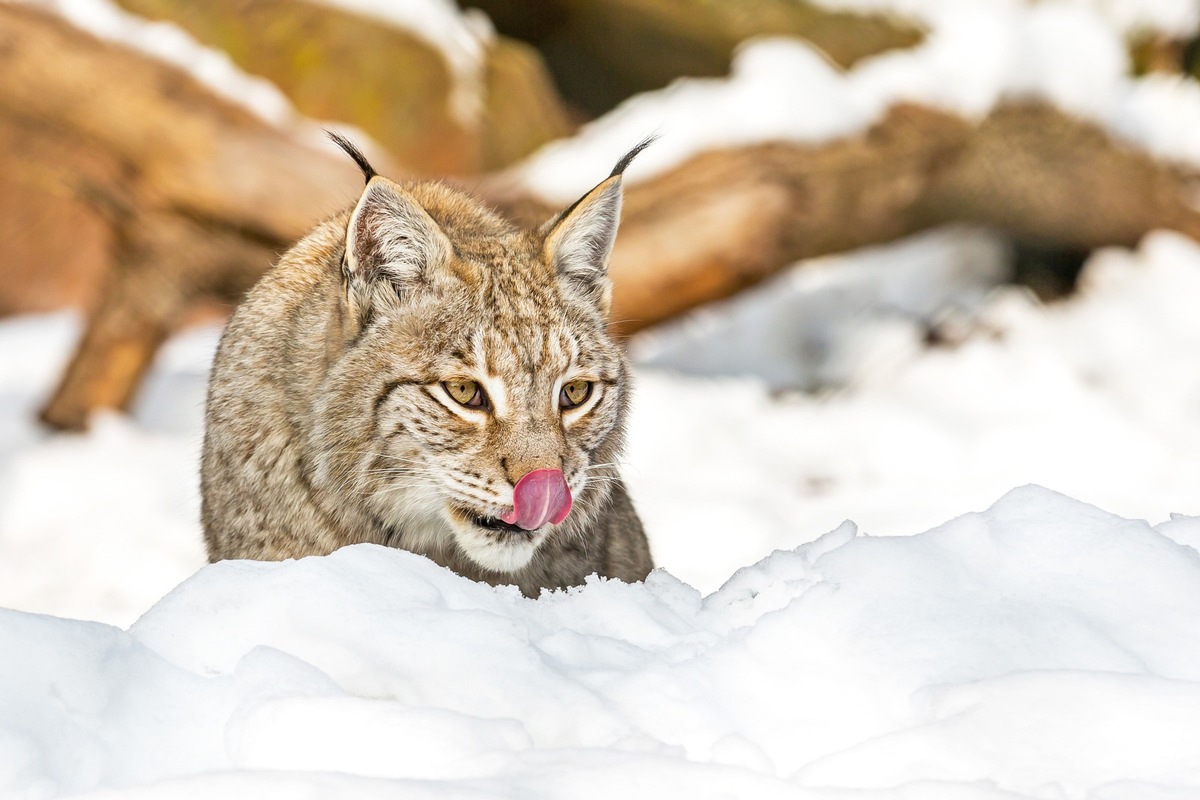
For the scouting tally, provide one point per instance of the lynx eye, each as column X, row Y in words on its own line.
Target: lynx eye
column 467, row 393
column 574, row 394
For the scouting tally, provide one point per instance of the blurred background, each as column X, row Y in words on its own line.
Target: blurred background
column 887, row 260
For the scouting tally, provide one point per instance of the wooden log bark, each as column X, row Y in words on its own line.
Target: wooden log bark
column 165, row 264
column 727, row 219
column 178, row 145
column 188, row 195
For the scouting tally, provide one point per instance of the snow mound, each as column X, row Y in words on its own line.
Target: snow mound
column 1040, row 648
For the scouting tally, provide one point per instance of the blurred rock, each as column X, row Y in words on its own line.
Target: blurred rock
column 523, row 111
column 388, row 81
column 603, row 51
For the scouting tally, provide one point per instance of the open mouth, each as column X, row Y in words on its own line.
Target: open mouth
column 496, row 524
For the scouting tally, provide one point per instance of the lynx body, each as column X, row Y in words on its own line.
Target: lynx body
column 419, row 373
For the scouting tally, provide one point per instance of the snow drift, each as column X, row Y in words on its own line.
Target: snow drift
column 1042, row 648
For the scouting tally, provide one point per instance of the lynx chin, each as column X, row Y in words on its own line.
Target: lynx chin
column 417, row 372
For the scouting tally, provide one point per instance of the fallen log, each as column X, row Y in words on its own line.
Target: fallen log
column 727, row 219
column 200, row 195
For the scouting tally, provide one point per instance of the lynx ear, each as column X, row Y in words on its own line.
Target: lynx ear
column 579, row 240
column 390, row 237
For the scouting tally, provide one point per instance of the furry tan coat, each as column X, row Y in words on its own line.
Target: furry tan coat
column 417, row 372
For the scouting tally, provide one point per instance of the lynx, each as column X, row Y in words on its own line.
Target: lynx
column 417, row 372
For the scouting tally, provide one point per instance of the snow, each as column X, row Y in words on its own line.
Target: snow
column 1039, row 648
column 806, row 328
column 1093, row 397
column 974, row 56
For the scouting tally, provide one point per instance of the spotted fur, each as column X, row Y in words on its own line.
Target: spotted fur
column 327, row 420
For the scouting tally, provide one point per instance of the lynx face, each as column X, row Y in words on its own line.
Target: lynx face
column 480, row 400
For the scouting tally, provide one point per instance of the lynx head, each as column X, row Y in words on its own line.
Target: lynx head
column 479, row 403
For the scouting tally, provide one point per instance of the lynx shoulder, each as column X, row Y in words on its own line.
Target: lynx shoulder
column 419, row 373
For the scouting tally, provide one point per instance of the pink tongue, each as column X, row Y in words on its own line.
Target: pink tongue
column 541, row 496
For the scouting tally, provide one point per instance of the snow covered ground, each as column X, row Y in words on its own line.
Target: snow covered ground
column 1042, row 648
column 1039, row 647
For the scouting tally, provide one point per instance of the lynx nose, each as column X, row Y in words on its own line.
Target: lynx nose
column 541, row 496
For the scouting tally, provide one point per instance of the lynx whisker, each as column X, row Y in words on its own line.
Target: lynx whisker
column 392, row 488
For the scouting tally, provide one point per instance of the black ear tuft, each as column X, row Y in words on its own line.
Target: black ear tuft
column 367, row 170
column 628, row 158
